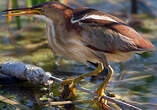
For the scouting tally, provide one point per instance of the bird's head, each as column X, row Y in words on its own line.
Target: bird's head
column 52, row 10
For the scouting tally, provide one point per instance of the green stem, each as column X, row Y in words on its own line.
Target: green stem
column 17, row 18
column 29, row 3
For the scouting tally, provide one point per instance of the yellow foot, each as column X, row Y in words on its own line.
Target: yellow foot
column 66, row 82
column 101, row 101
column 71, row 83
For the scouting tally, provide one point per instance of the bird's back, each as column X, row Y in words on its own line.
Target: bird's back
column 103, row 28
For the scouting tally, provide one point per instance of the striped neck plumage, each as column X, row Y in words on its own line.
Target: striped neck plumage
column 51, row 30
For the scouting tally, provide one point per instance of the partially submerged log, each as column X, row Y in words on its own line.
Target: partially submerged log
column 37, row 75
column 31, row 73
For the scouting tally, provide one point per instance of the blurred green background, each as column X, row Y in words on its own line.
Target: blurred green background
column 24, row 39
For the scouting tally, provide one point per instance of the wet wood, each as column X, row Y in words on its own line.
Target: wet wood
column 31, row 73
column 37, row 75
column 71, row 102
column 13, row 102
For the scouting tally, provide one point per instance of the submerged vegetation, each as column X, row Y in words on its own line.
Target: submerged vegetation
column 24, row 39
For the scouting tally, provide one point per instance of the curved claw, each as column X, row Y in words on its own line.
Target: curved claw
column 66, row 82
column 102, row 102
column 72, row 88
column 71, row 84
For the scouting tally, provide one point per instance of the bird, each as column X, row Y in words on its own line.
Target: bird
column 85, row 34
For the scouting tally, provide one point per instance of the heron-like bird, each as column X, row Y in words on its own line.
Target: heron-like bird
column 86, row 34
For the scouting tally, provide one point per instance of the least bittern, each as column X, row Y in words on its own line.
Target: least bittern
column 85, row 34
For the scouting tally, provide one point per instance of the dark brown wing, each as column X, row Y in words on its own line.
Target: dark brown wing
column 107, row 33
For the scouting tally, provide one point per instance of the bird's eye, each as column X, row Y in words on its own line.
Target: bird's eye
column 41, row 9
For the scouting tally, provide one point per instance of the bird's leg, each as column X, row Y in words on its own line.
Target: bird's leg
column 76, row 80
column 100, row 91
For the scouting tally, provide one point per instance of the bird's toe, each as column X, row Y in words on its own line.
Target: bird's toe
column 71, row 83
column 101, row 101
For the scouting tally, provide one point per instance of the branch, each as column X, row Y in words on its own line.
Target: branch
column 37, row 75
column 18, row 105
column 31, row 73
column 118, row 102
column 70, row 102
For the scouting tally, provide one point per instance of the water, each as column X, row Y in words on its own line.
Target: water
column 134, row 81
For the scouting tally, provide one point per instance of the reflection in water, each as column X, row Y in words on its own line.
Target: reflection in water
column 134, row 81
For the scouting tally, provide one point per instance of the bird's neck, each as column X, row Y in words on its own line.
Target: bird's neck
column 55, row 30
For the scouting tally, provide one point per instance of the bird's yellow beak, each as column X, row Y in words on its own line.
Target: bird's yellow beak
column 21, row 11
